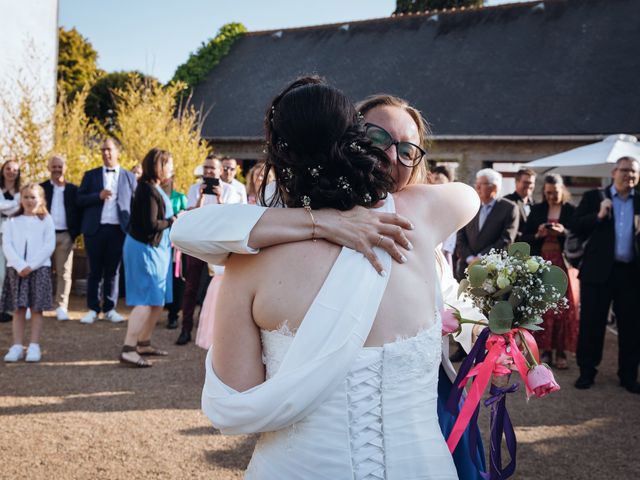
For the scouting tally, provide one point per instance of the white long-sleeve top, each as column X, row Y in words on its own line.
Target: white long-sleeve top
column 9, row 207
column 28, row 241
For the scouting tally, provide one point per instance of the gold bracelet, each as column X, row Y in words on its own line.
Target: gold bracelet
column 307, row 209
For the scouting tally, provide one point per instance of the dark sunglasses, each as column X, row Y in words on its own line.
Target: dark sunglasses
column 407, row 153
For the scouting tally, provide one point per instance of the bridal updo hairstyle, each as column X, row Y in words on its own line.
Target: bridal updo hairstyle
column 317, row 148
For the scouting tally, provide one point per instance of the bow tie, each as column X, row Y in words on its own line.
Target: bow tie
column 111, row 170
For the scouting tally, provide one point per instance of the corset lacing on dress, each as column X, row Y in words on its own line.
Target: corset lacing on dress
column 364, row 395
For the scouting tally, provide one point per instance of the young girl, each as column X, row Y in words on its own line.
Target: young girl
column 28, row 241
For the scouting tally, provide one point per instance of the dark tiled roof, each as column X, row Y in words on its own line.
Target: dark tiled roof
column 558, row 67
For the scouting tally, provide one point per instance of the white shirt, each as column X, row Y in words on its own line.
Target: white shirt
column 240, row 189
column 9, row 207
column 228, row 195
column 28, row 241
column 58, row 212
column 110, row 207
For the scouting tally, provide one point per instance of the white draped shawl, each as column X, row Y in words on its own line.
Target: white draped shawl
column 323, row 350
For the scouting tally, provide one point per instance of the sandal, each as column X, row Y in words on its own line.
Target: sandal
column 546, row 357
column 140, row 363
column 145, row 348
column 561, row 361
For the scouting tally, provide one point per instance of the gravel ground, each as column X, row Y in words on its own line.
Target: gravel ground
column 79, row 414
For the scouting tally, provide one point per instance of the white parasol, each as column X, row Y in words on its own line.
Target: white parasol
column 593, row 160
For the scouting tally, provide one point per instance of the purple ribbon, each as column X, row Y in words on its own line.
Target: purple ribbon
column 500, row 420
column 475, row 356
column 501, row 425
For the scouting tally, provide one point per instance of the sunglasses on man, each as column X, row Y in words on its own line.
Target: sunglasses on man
column 407, row 153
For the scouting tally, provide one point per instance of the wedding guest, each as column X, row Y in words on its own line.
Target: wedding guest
column 61, row 199
column 137, row 171
column 523, row 196
column 147, row 258
column 28, row 242
column 610, row 273
column 545, row 231
column 438, row 176
column 105, row 195
column 494, row 226
column 255, row 177
column 210, row 191
column 228, row 175
column 9, row 204
column 178, row 204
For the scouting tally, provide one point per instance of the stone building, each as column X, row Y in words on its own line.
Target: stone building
column 500, row 85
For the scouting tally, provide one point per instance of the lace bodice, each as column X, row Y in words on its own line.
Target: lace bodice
column 388, row 383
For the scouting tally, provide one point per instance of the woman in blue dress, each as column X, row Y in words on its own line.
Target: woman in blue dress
column 147, row 258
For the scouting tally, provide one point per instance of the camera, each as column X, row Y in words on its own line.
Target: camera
column 548, row 225
column 209, row 184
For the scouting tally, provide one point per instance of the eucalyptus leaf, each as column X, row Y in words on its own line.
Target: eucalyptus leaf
column 531, row 321
column 477, row 274
column 516, row 298
column 557, row 278
column 479, row 292
column 464, row 285
column 501, row 318
column 533, row 328
column 519, row 249
column 503, row 291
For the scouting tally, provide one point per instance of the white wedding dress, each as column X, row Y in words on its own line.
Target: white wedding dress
column 333, row 409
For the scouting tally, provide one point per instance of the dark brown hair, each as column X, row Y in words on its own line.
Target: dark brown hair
column 317, row 147
column 17, row 183
column 152, row 165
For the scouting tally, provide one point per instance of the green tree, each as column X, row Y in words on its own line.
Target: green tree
column 76, row 61
column 100, row 105
column 208, row 55
column 413, row 6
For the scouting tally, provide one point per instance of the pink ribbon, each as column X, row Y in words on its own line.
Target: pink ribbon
column 496, row 347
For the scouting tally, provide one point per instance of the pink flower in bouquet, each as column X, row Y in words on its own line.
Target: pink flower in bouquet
column 450, row 322
column 541, row 381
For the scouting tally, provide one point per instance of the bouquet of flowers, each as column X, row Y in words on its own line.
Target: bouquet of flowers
column 513, row 289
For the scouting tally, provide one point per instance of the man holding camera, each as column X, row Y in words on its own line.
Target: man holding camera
column 210, row 191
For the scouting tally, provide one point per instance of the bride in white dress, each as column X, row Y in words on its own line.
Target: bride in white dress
column 335, row 364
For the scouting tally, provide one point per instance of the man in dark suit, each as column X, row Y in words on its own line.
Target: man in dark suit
column 61, row 199
column 523, row 196
column 495, row 225
column 610, row 272
column 105, row 194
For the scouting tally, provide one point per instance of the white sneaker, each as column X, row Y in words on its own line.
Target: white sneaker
column 16, row 352
column 33, row 353
column 90, row 317
column 113, row 316
column 27, row 315
column 61, row 314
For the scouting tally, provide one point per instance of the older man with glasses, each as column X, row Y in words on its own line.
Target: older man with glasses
column 610, row 273
column 495, row 225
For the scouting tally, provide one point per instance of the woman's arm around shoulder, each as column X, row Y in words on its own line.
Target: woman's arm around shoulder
column 237, row 349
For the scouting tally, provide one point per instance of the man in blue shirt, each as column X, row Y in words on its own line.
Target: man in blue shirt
column 610, row 272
